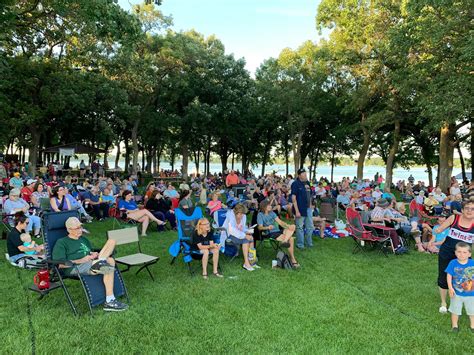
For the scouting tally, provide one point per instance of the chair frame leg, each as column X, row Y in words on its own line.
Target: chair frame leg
column 66, row 292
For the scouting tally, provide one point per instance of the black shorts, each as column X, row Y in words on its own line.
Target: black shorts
column 444, row 257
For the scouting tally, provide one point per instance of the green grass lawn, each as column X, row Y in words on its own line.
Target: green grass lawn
column 336, row 303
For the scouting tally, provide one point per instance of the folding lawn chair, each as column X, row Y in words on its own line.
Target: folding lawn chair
column 119, row 216
column 260, row 239
column 227, row 246
column 53, row 229
column 128, row 236
column 361, row 235
column 327, row 209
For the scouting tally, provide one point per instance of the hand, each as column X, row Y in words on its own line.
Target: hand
column 451, row 292
column 298, row 214
column 270, row 227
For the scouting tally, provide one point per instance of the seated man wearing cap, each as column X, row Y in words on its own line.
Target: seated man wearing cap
column 78, row 250
column 28, row 190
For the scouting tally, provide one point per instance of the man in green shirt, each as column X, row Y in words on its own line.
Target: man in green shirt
column 78, row 250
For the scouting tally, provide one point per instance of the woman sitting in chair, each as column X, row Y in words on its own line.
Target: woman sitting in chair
column 38, row 193
column 202, row 242
column 239, row 233
column 15, row 204
column 59, row 202
column 143, row 216
column 268, row 223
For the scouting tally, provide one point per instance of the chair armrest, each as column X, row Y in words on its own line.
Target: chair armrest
column 67, row 263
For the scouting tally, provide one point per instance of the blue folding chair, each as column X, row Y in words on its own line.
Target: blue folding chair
column 186, row 222
column 53, row 229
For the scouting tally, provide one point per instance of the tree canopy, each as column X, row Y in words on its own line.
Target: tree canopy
column 393, row 79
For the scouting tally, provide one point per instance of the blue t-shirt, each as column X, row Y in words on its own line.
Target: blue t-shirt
column 267, row 220
column 131, row 205
column 302, row 191
column 463, row 277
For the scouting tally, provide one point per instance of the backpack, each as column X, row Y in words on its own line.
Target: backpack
column 283, row 261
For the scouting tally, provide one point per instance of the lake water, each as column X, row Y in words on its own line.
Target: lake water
column 418, row 173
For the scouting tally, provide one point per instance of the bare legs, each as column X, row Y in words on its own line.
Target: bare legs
column 144, row 216
column 205, row 259
column 287, row 237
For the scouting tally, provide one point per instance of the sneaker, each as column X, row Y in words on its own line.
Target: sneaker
column 248, row 268
column 115, row 306
column 102, row 267
column 256, row 266
column 455, row 330
column 443, row 310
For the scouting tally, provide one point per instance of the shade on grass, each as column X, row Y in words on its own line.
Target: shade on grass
column 337, row 302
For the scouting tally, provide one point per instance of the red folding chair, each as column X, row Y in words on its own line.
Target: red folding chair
column 362, row 236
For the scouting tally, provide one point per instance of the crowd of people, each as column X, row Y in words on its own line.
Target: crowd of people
column 284, row 209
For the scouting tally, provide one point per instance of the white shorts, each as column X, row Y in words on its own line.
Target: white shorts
column 455, row 306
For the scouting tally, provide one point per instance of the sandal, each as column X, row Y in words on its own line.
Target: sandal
column 204, row 276
column 217, row 274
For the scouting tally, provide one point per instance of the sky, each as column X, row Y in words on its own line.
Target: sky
column 253, row 29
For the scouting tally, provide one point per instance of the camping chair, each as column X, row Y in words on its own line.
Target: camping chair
column 45, row 204
column 53, row 229
column 327, row 210
column 227, row 246
column 127, row 236
column 260, row 239
column 361, row 235
column 186, row 223
column 417, row 210
column 119, row 216
column 6, row 220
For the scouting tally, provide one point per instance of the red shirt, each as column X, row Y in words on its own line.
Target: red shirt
column 26, row 193
column 231, row 179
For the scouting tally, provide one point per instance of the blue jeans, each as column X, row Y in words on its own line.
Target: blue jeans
column 304, row 224
column 34, row 223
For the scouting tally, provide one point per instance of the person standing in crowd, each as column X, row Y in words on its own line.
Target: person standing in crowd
column 302, row 209
column 462, row 230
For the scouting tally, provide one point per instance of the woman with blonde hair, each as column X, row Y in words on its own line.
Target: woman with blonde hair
column 202, row 242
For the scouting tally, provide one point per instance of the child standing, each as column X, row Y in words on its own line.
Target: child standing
column 460, row 277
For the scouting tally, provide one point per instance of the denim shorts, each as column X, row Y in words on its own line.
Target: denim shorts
column 238, row 241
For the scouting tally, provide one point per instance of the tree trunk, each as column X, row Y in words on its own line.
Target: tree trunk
column 392, row 153
column 446, row 152
column 135, row 146
column 33, row 158
column 185, row 154
column 461, row 158
column 287, row 160
column 333, row 155
column 472, row 150
column 143, row 159
column 429, row 169
column 363, row 151
column 127, row 156
column 117, row 157
column 296, row 146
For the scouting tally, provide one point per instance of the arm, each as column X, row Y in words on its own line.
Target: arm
column 449, row 278
column 295, row 205
column 446, row 224
column 281, row 223
column 53, row 204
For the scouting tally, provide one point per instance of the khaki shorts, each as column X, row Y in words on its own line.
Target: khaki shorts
column 83, row 269
column 455, row 306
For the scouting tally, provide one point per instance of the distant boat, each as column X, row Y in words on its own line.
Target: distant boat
column 468, row 176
